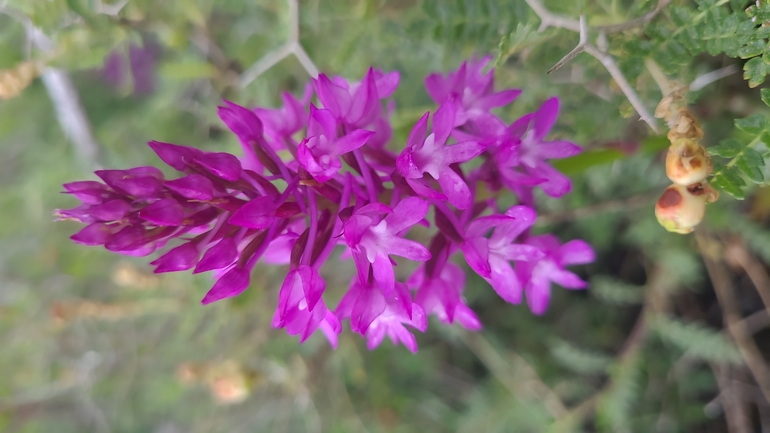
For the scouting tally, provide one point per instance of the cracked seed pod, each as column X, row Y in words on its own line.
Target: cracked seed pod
column 687, row 162
column 684, row 124
column 680, row 208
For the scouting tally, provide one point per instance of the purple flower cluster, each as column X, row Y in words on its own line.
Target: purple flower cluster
column 289, row 202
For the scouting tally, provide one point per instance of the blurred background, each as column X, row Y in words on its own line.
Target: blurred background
column 94, row 342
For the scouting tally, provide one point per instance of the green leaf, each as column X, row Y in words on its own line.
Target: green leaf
column 754, row 124
column 753, row 49
column 753, row 158
column 728, row 148
column 749, row 162
column 697, row 340
column 730, row 181
column 752, row 172
column 765, row 96
column 754, row 71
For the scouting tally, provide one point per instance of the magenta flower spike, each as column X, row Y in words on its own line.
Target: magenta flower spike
column 311, row 180
column 431, row 155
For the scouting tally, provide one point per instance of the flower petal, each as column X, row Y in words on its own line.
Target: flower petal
column 233, row 283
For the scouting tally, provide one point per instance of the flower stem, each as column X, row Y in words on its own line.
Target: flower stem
column 370, row 188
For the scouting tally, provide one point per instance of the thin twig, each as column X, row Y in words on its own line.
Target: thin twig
column 710, row 77
column 581, row 46
column 63, row 94
column 609, row 63
column 549, row 19
column 292, row 46
column 720, row 279
column 636, row 22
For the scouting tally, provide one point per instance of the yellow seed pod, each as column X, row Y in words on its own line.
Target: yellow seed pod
column 679, row 210
column 687, row 162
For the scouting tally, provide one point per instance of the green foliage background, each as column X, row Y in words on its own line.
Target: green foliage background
column 637, row 352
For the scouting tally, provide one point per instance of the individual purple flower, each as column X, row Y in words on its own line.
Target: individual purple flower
column 533, row 150
column 280, row 124
column 320, row 152
column 356, row 106
column 536, row 276
column 375, row 315
column 473, row 89
column 300, row 307
column 441, row 295
column 431, row 155
column 373, row 238
column 491, row 257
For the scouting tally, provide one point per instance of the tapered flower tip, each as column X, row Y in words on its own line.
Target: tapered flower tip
column 386, row 82
column 523, row 214
column 174, row 155
column 242, row 121
column 545, row 117
column 93, row 234
column 576, row 252
column 113, row 210
column 87, row 191
column 232, row 283
column 193, row 186
column 136, row 183
column 165, row 212
column 679, row 210
column 177, row 259
column 219, row 256
column 333, row 96
column 256, row 214
column 129, row 238
column 222, row 165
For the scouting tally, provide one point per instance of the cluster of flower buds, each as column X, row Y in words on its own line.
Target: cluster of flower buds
column 688, row 165
column 290, row 202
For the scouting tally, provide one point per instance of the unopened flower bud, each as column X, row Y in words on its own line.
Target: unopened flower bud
column 679, row 209
column 687, row 162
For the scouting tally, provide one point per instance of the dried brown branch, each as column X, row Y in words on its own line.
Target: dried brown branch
column 720, row 279
column 735, row 411
column 737, row 253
